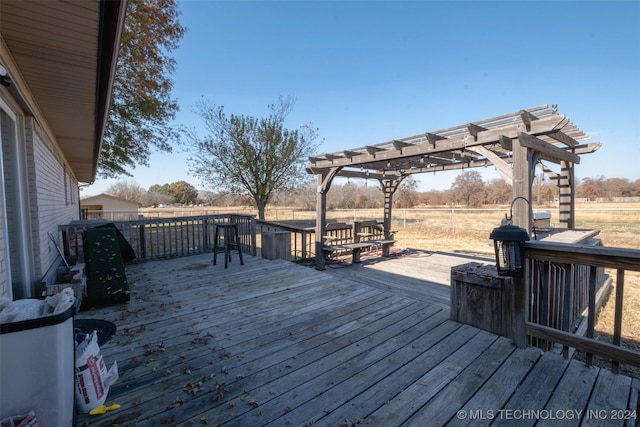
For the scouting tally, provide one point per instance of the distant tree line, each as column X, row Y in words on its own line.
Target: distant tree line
column 467, row 190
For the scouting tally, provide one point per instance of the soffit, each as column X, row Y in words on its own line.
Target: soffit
column 61, row 49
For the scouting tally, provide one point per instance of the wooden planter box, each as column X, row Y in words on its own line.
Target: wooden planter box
column 481, row 298
column 276, row 245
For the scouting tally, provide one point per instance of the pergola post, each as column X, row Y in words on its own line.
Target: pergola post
column 566, row 197
column 524, row 166
column 389, row 187
column 523, row 172
column 323, row 184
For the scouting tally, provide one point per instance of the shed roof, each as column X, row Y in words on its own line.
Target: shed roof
column 102, row 197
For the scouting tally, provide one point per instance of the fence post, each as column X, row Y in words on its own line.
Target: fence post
column 453, row 221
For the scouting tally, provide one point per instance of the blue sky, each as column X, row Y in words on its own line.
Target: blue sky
column 366, row 72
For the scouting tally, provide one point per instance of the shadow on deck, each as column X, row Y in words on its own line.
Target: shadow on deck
column 275, row 343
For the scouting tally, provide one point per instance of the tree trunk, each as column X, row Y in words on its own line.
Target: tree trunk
column 261, row 206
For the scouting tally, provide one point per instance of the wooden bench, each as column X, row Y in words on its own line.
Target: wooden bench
column 372, row 231
column 354, row 248
column 340, row 240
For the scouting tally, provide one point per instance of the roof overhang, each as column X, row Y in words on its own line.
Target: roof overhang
column 61, row 57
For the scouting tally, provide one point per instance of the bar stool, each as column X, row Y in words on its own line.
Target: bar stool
column 229, row 236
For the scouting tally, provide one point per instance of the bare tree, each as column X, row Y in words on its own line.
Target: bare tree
column 469, row 189
column 254, row 155
column 407, row 195
column 127, row 190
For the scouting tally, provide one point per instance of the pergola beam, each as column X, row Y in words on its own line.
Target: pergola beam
column 527, row 118
column 550, row 151
column 544, row 126
column 474, row 130
column 564, row 138
column 432, row 138
column 399, row 145
column 504, row 169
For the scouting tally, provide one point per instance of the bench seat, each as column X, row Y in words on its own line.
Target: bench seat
column 355, row 248
column 384, row 243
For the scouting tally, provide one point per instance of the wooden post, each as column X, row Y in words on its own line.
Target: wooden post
column 143, row 243
column 567, row 197
column 524, row 162
column 324, row 184
column 388, row 207
column 254, row 239
column 523, row 172
column 617, row 321
column 567, row 303
column 520, row 306
column 321, row 222
column 389, row 186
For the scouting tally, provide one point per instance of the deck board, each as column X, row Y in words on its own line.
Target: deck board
column 275, row 343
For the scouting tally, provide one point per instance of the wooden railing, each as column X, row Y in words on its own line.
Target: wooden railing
column 588, row 261
column 338, row 233
column 163, row 238
column 559, row 293
column 302, row 238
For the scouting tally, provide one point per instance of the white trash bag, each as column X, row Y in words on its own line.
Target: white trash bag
column 92, row 378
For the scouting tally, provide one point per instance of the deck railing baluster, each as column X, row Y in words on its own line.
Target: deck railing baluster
column 596, row 259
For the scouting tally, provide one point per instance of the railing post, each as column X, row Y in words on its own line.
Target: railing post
column 143, row 245
column 567, row 303
column 205, row 234
column 591, row 320
column 304, row 245
column 520, row 304
column 617, row 322
column 254, row 239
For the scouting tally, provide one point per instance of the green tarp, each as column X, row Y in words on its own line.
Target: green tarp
column 106, row 279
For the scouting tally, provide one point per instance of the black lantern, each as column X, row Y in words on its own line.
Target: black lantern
column 508, row 242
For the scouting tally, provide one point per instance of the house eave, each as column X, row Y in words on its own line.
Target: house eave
column 61, row 57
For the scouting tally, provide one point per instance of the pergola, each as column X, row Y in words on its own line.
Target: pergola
column 515, row 144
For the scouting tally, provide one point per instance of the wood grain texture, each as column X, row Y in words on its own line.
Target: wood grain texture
column 275, row 343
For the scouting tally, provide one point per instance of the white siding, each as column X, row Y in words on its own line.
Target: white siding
column 7, row 129
column 50, row 206
column 4, row 281
column 4, row 273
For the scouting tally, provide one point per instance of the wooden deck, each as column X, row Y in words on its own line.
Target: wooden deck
column 275, row 343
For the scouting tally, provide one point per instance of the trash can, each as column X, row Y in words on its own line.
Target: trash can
column 37, row 359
